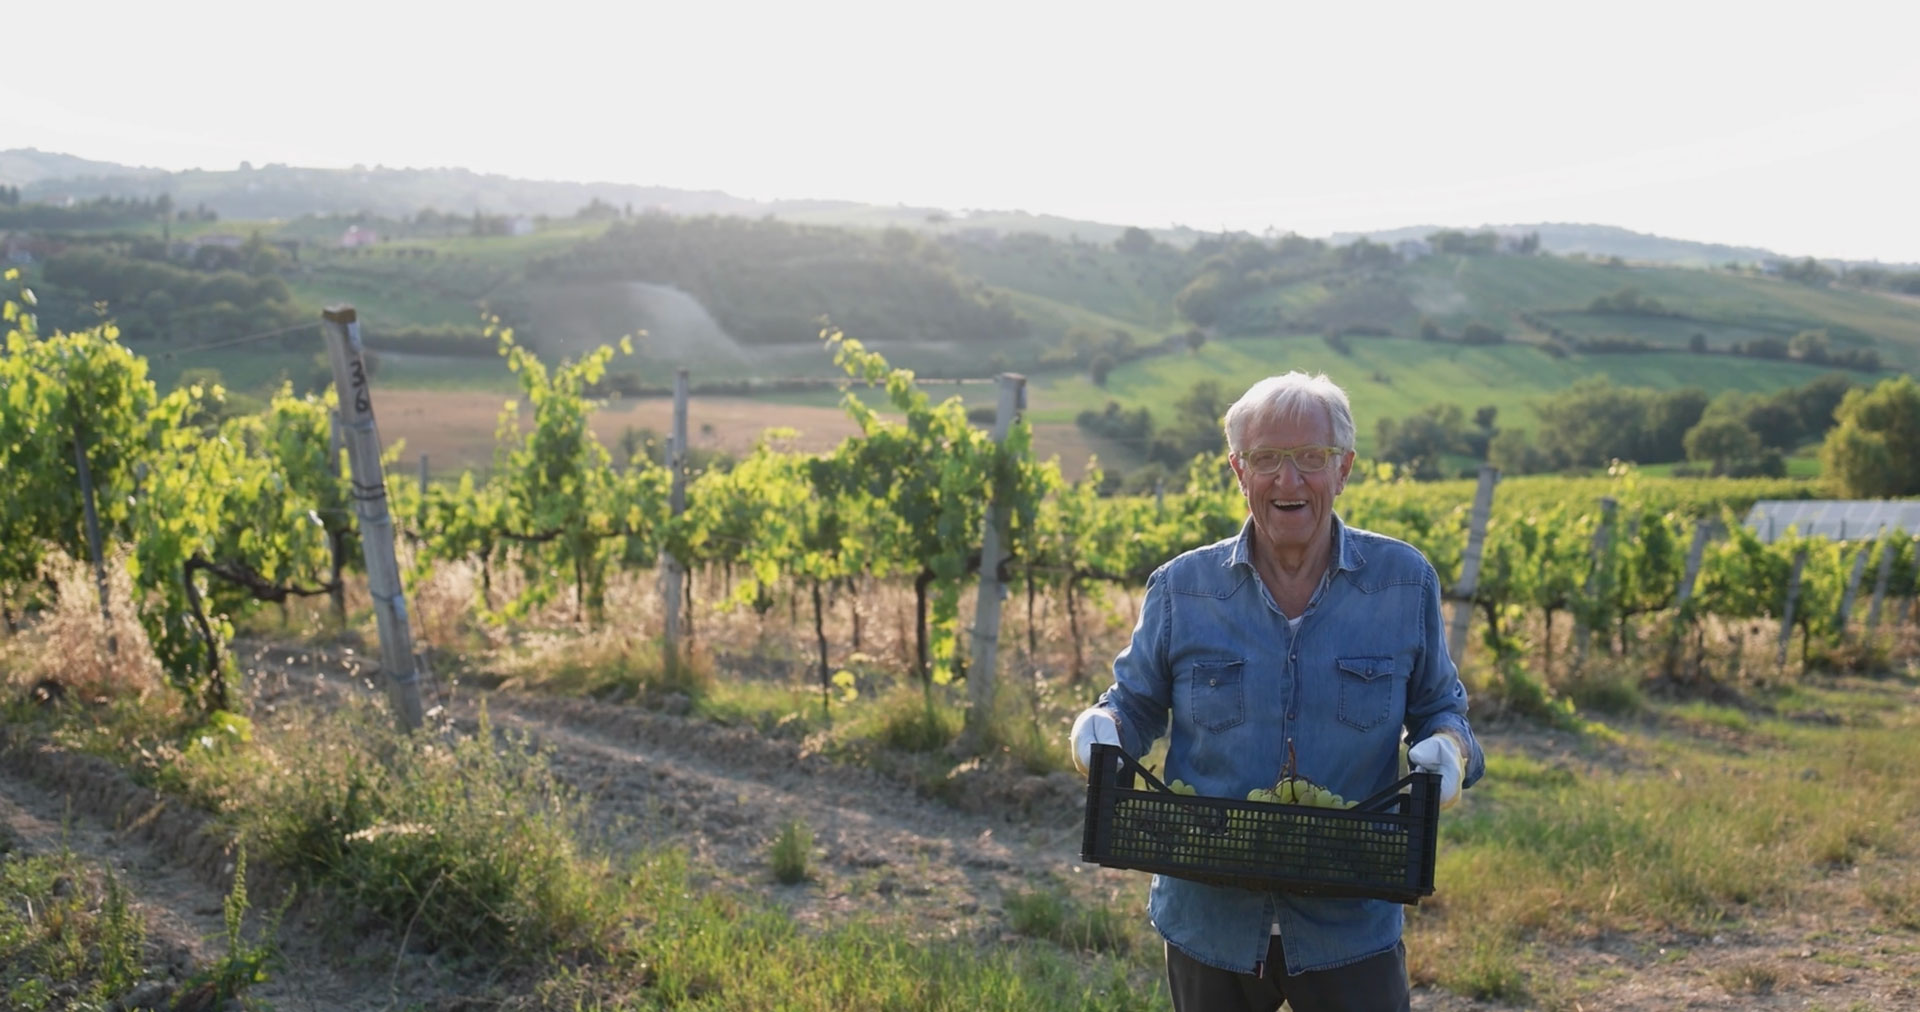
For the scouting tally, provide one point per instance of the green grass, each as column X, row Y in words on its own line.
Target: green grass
column 1395, row 377
column 1687, row 837
column 70, row 936
column 1135, row 292
column 1455, row 290
column 381, row 303
column 467, row 847
column 792, row 853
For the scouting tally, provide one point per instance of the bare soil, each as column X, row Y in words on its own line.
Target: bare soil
column 455, row 429
column 882, row 849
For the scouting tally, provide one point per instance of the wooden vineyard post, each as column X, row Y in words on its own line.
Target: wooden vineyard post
column 92, row 516
column 673, row 571
column 1599, row 581
column 984, row 649
column 1880, row 578
column 1848, row 596
column 1793, row 594
column 1470, row 564
column 1888, row 548
column 336, row 543
column 1696, row 553
column 344, row 351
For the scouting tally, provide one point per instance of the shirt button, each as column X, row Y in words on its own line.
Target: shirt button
column 1291, row 715
column 1213, row 681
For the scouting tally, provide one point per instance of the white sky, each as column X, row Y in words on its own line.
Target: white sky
column 1794, row 127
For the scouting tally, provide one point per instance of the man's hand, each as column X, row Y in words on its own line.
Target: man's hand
column 1095, row 724
column 1441, row 754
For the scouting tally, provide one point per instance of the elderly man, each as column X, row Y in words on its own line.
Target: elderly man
column 1300, row 636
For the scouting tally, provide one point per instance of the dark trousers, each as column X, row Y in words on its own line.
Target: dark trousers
column 1375, row 984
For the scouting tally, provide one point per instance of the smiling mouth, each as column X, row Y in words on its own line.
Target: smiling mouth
column 1289, row 505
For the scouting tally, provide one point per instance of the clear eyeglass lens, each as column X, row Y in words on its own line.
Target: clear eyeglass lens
column 1307, row 459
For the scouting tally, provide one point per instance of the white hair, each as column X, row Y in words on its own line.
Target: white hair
column 1294, row 395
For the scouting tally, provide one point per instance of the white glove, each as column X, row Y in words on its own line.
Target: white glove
column 1095, row 724
column 1441, row 754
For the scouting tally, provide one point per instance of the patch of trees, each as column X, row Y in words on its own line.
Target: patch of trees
column 1467, row 243
column 1735, row 434
column 1874, row 447
column 1191, row 429
column 441, row 339
column 1234, row 267
column 1099, row 351
column 1420, row 443
column 768, row 281
column 1616, row 344
column 1806, row 271
column 1629, row 302
column 1882, row 279
column 155, row 299
column 1595, row 422
column 1814, row 347
column 1475, row 333
column 1364, row 305
column 100, row 212
column 1135, row 241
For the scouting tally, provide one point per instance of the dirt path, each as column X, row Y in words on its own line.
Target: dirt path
column 725, row 793
column 179, row 870
column 881, row 850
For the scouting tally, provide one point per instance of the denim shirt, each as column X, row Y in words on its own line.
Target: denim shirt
column 1214, row 663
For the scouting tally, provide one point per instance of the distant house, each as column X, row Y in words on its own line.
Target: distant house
column 20, row 248
column 13, row 249
column 215, row 239
column 355, row 237
column 520, row 226
column 1412, row 249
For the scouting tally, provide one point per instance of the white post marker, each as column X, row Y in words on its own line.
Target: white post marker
column 342, row 331
column 672, row 570
column 1470, row 564
column 984, row 653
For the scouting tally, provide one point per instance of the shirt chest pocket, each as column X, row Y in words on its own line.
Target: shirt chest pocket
column 1215, row 697
column 1366, row 690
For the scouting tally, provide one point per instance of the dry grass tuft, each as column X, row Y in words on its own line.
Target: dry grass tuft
column 71, row 650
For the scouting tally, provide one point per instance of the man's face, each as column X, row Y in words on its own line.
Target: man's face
column 1290, row 508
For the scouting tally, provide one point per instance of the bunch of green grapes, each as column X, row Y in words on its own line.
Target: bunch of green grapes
column 1299, row 791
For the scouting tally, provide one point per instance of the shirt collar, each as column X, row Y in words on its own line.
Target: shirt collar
column 1346, row 553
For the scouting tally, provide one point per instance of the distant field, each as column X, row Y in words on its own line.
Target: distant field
column 1455, row 290
column 455, row 429
column 1385, row 377
column 1395, row 377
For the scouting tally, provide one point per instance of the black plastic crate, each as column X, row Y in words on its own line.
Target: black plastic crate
column 1382, row 848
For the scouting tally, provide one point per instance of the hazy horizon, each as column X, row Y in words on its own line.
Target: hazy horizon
column 1713, row 122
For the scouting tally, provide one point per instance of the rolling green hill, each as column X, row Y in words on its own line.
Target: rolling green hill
column 1396, row 377
column 734, row 297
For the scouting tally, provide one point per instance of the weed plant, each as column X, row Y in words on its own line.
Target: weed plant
column 69, row 935
column 792, row 853
column 465, row 844
column 1054, row 915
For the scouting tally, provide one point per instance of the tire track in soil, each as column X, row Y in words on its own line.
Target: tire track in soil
column 724, row 793
column 177, row 868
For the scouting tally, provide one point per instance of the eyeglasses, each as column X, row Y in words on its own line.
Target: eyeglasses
column 1306, row 459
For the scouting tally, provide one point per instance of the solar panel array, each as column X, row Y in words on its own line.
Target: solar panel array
column 1838, row 519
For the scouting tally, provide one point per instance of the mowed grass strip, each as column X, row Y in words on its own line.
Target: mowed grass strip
column 467, row 846
column 1715, row 818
